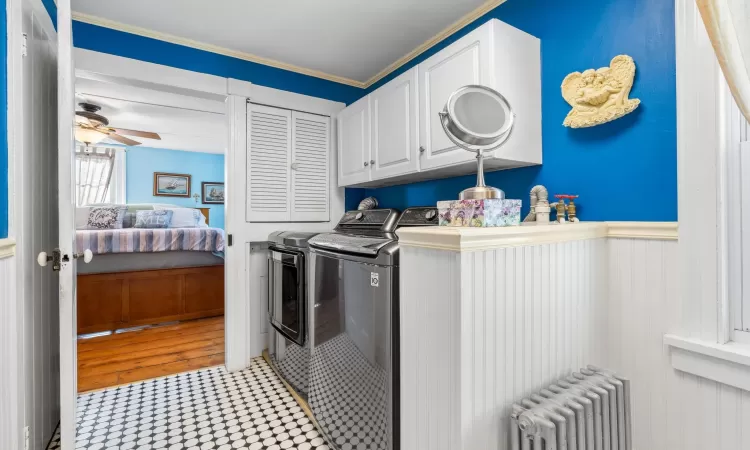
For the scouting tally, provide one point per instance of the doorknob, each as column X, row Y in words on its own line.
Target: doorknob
column 372, row 162
column 367, row 163
column 42, row 259
column 87, row 255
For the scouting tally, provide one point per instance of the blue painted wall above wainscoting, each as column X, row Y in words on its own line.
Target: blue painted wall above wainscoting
column 624, row 170
column 142, row 162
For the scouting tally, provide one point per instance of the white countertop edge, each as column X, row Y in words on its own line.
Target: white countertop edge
column 469, row 239
column 7, row 248
column 530, row 233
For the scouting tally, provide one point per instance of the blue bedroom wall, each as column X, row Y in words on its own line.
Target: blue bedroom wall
column 624, row 170
column 4, row 126
column 142, row 162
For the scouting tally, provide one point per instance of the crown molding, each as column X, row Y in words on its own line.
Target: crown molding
column 483, row 9
column 454, row 27
column 7, row 248
column 111, row 24
column 643, row 230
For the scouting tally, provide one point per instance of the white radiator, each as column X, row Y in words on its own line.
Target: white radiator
column 589, row 410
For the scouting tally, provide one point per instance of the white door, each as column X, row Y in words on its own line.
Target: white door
column 66, row 214
column 269, row 148
column 395, row 137
column 466, row 61
column 310, row 147
column 354, row 143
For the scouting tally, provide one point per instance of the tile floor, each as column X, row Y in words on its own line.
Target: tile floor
column 206, row 409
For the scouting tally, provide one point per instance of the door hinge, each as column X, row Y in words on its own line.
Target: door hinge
column 229, row 240
column 24, row 45
column 26, row 437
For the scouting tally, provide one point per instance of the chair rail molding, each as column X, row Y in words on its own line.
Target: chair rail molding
column 643, row 230
column 7, row 248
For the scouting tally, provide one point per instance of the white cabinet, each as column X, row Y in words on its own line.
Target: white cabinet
column 395, row 141
column 354, row 143
column 466, row 61
column 406, row 140
column 287, row 165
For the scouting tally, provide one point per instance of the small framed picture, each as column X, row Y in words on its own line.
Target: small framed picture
column 213, row 192
column 171, row 185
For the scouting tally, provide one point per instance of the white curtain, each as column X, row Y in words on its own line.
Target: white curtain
column 728, row 26
column 93, row 173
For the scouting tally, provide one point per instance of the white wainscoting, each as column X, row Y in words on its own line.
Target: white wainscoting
column 11, row 406
column 671, row 409
column 482, row 329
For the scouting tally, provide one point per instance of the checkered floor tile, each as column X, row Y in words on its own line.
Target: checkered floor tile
column 207, row 409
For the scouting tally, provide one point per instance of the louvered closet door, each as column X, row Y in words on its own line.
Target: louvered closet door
column 269, row 147
column 310, row 147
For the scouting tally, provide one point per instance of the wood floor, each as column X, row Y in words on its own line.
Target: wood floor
column 155, row 352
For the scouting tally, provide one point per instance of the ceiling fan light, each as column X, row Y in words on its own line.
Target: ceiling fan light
column 89, row 136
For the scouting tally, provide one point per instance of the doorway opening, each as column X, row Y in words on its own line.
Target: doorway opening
column 149, row 193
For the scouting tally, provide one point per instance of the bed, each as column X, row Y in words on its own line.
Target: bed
column 148, row 276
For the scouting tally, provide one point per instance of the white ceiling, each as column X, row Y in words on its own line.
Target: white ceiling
column 354, row 39
column 197, row 129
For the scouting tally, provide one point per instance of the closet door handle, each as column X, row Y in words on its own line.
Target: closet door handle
column 367, row 163
column 372, row 162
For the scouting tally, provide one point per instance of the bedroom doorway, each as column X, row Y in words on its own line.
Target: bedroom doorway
column 149, row 190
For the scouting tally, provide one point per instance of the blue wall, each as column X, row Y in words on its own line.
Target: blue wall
column 624, row 170
column 3, row 125
column 142, row 162
column 105, row 40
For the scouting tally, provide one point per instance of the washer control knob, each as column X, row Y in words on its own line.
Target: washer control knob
column 430, row 214
column 359, row 216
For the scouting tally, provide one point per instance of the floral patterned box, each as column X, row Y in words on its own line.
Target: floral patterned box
column 479, row 213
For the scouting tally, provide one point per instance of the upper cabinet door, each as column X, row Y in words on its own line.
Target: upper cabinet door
column 466, row 61
column 269, row 145
column 395, row 139
column 311, row 136
column 354, row 143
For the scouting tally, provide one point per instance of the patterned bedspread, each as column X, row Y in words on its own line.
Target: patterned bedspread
column 148, row 240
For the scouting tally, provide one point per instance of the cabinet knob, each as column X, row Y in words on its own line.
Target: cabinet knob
column 372, row 162
column 367, row 163
column 421, row 149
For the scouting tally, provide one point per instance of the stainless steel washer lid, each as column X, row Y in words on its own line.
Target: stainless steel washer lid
column 297, row 239
column 358, row 245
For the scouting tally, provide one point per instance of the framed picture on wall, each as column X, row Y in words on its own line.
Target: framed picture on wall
column 213, row 192
column 171, row 185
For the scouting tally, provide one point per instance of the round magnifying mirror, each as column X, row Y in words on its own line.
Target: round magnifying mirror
column 478, row 119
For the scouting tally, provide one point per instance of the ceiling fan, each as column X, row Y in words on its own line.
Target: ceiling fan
column 92, row 128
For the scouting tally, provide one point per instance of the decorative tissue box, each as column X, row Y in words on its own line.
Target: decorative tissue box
column 479, row 213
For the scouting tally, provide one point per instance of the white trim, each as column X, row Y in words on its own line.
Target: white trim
column 470, row 239
column 283, row 99
column 643, row 230
column 7, row 248
column 726, row 363
column 439, row 37
column 462, row 239
column 132, row 72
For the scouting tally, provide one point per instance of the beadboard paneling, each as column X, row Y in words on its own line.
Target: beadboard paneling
column 480, row 330
column 11, row 406
column 671, row 409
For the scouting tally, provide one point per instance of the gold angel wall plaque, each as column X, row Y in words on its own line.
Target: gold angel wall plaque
column 600, row 96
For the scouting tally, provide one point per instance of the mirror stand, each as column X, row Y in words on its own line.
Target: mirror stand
column 481, row 190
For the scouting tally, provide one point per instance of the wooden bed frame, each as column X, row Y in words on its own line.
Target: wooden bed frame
column 111, row 301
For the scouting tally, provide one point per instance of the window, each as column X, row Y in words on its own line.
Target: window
column 738, row 217
column 100, row 175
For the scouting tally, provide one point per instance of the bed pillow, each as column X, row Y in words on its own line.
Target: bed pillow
column 159, row 218
column 129, row 220
column 105, row 217
column 184, row 217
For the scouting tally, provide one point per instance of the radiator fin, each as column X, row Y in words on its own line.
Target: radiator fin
column 588, row 410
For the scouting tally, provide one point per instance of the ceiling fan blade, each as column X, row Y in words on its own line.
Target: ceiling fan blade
column 123, row 139
column 143, row 134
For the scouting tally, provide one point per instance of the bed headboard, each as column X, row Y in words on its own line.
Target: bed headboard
column 205, row 211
